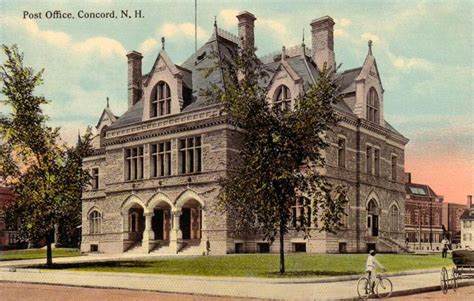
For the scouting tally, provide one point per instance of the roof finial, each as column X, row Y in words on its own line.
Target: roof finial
column 163, row 43
column 107, row 101
column 370, row 47
column 215, row 21
column 283, row 53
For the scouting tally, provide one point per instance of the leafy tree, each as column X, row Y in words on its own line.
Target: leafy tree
column 47, row 177
column 281, row 154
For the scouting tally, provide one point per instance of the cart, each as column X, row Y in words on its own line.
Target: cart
column 463, row 269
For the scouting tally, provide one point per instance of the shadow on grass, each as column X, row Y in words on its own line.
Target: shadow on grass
column 301, row 274
column 98, row 265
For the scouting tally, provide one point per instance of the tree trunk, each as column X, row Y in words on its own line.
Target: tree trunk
column 49, row 251
column 282, row 251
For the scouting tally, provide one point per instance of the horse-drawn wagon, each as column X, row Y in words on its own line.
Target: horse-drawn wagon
column 463, row 269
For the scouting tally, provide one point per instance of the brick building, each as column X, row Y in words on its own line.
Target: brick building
column 452, row 213
column 423, row 217
column 7, row 238
column 156, row 167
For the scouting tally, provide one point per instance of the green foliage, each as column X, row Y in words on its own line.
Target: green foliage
column 281, row 154
column 46, row 176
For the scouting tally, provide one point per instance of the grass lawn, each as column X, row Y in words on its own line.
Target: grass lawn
column 37, row 254
column 264, row 265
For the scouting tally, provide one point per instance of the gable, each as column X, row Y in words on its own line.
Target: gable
column 162, row 64
column 370, row 71
column 106, row 119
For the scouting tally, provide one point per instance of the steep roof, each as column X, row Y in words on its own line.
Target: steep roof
column 420, row 190
column 468, row 214
column 347, row 80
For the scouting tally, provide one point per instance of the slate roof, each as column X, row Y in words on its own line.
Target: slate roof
column 420, row 190
column 225, row 46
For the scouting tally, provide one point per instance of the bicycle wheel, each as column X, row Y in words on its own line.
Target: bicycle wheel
column 455, row 280
column 384, row 288
column 363, row 287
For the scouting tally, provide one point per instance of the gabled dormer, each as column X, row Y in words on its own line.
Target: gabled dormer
column 369, row 91
column 285, row 85
column 163, row 88
column 107, row 118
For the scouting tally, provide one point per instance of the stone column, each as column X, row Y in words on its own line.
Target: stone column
column 175, row 233
column 148, row 233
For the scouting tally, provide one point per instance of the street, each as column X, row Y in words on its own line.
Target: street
column 11, row 291
column 462, row 293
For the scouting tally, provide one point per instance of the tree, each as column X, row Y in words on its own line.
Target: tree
column 47, row 177
column 281, row 154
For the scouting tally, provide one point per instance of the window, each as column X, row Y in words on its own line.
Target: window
column 408, row 217
column 189, row 155
column 161, row 100
column 95, row 178
column 161, row 159
column 282, row 99
column 394, row 218
column 341, row 152
column 436, row 219
column 373, row 106
column 394, row 167
column 377, row 161
column 368, row 160
column 417, row 216
column 134, row 163
column 95, row 222
column 300, row 214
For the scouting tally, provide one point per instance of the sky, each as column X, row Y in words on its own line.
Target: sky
column 424, row 52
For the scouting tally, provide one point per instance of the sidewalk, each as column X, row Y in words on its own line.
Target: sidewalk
column 334, row 288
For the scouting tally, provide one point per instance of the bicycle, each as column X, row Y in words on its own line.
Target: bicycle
column 383, row 287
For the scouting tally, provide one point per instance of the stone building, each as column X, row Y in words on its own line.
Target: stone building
column 467, row 225
column 423, row 217
column 156, row 167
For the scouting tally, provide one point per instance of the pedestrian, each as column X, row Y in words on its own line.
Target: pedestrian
column 445, row 243
column 370, row 267
column 208, row 246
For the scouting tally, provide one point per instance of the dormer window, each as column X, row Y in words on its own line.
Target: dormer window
column 282, row 98
column 161, row 100
column 373, row 106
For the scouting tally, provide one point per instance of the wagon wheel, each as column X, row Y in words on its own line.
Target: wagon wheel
column 444, row 280
column 455, row 279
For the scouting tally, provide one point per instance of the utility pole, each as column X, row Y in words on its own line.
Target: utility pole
column 431, row 223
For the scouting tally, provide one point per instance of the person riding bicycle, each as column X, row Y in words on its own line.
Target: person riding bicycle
column 370, row 267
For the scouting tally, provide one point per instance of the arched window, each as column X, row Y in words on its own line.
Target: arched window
column 160, row 100
column 373, row 106
column 282, row 98
column 394, row 218
column 95, row 222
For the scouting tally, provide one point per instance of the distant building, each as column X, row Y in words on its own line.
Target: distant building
column 467, row 225
column 423, row 217
column 452, row 220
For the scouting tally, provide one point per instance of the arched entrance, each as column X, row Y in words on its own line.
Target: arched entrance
column 161, row 222
column 190, row 221
column 133, row 214
column 373, row 217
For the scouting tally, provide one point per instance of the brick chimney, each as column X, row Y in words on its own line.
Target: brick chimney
column 246, row 29
column 134, row 77
column 322, row 40
column 469, row 201
column 408, row 177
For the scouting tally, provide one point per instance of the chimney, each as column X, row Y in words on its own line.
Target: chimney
column 134, row 77
column 408, row 177
column 246, row 29
column 469, row 201
column 322, row 35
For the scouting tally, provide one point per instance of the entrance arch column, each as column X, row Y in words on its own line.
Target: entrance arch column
column 148, row 234
column 175, row 233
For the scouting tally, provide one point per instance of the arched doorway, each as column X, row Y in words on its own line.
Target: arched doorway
column 373, row 217
column 161, row 222
column 190, row 221
column 136, row 223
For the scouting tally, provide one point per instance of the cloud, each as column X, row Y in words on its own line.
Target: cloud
column 104, row 46
column 408, row 64
column 182, row 29
column 343, row 22
column 341, row 33
column 148, row 45
column 228, row 17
